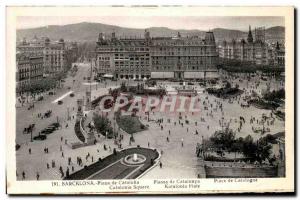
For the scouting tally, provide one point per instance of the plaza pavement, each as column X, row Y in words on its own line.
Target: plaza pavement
column 177, row 161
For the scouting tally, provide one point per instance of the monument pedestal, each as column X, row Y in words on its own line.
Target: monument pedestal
column 88, row 103
column 90, row 138
column 79, row 114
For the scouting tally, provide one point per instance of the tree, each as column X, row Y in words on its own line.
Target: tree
column 263, row 151
column 102, row 125
column 249, row 147
column 223, row 139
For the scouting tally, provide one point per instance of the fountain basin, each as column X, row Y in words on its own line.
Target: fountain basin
column 134, row 159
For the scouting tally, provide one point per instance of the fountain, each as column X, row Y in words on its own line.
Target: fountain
column 134, row 159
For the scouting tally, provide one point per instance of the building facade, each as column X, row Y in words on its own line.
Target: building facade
column 39, row 58
column 29, row 68
column 255, row 49
column 157, row 57
column 54, row 57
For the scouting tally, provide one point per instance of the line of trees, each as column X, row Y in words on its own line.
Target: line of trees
column 259, row 150
column 238, row 66
column 41, row 85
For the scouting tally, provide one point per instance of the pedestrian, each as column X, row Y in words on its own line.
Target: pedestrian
column 37, row 176
column 48, row 166
column 167, row 139
column 62, row 154
column 29, row 150
column 160, row 164
column 23, row 175
column 67, row 172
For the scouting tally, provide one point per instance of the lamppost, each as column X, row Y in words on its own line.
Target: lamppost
column 31, row 140
column 68, row 116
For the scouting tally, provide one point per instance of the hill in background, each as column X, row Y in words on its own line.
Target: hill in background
column 88, row 32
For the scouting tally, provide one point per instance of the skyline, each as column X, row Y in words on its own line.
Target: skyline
column 186, row 22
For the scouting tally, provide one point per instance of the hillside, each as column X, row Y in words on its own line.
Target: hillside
column 89, row 32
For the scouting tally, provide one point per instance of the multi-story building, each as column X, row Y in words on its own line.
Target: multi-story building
column 23, row 71
column 160, row 57
column 54, row 59
column 54, row 56
column 29, row 68
column 254, row 50
column 39, row 58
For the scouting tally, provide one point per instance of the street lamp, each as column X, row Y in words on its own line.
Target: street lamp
column 31, row 140
column 68, row 116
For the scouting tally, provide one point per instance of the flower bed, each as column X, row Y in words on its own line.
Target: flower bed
column 130, row 124
column 78, row 132
column 224, row 92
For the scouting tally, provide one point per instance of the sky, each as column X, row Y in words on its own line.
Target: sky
column 186, row 22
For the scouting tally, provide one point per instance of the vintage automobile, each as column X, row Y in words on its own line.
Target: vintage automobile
column 40, row 137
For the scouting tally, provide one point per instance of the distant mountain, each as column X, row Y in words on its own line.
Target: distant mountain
column 227, row 34
column 86, row 31
column 276, row 32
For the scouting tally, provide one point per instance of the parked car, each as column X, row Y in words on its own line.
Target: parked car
column 40, row 137
column 60, row 102
column 46, row 131
column 72, row 95
column 51, row 93
column 52, row 127
column 55, row 124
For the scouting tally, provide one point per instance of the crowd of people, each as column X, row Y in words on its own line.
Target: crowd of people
column 213, row 109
